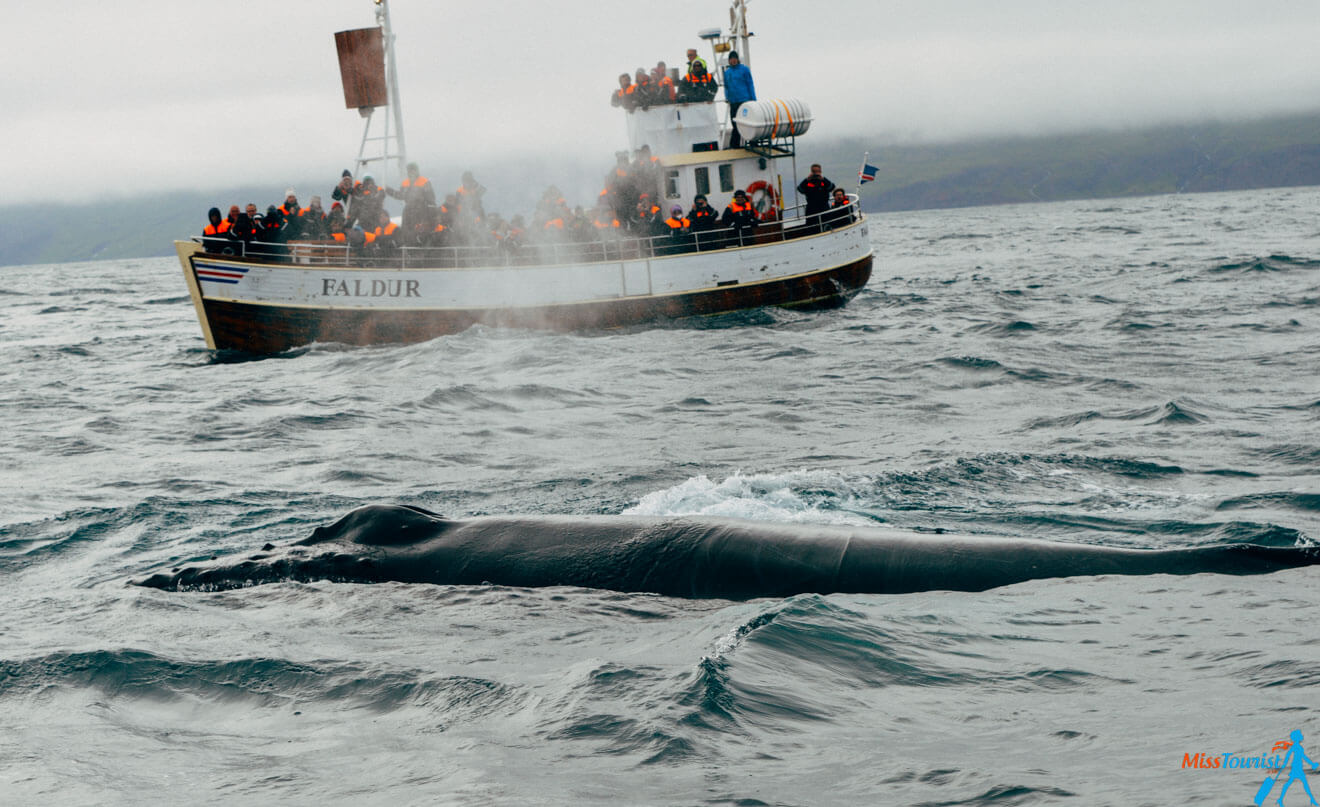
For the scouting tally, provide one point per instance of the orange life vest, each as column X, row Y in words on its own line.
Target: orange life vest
column 211, row 229
column 677, row 224
column 665, row 86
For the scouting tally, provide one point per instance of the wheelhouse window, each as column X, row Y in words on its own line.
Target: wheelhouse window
column 702, row 177
column 726, row 177
column 671, row 185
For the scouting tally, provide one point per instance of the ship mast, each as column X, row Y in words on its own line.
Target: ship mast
column 389, row 146
column 738, row 30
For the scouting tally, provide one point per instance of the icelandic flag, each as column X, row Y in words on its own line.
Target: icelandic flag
column 867, row 174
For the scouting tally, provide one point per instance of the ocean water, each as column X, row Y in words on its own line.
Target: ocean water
column 1135, row 373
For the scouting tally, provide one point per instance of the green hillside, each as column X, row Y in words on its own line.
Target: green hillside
column 1213, row 156
column 135, row 227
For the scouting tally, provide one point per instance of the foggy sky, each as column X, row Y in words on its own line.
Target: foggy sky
column 106, row 98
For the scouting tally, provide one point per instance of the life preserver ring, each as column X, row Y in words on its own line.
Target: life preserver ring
column 764, row 205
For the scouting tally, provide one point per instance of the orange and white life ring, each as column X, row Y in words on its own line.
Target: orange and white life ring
column 764, row 205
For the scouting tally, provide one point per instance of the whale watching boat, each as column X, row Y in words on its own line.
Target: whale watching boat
column 268, row 298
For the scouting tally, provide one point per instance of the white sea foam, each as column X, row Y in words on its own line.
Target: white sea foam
column 791, row 497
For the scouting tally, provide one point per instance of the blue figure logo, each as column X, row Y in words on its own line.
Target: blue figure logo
column 1295, row 761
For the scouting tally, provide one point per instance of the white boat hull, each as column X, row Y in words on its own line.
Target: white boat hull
column 265, row 306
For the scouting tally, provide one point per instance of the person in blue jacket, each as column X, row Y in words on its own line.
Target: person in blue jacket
column 738, row 90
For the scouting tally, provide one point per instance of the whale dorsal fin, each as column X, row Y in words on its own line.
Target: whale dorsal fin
column 381, row 525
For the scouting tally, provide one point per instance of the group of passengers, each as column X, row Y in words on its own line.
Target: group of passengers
column 629, row 207
column 663, row 86
column 357, row 217
column 827, row 206
column 278, row 225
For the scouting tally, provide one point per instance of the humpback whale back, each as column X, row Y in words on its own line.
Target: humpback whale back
column 692, row 557
column 377, row 525
column 924, row 562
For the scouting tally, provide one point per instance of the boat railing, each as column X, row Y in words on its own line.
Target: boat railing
column 611, row 247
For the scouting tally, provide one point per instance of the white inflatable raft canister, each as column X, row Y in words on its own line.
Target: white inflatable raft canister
column 775, row 117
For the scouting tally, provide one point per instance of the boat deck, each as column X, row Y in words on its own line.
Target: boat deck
column 610, row 247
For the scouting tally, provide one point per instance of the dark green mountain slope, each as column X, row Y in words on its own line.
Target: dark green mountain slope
column 1217, row 156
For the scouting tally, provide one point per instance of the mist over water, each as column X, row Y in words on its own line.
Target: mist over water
column 1138, row 373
